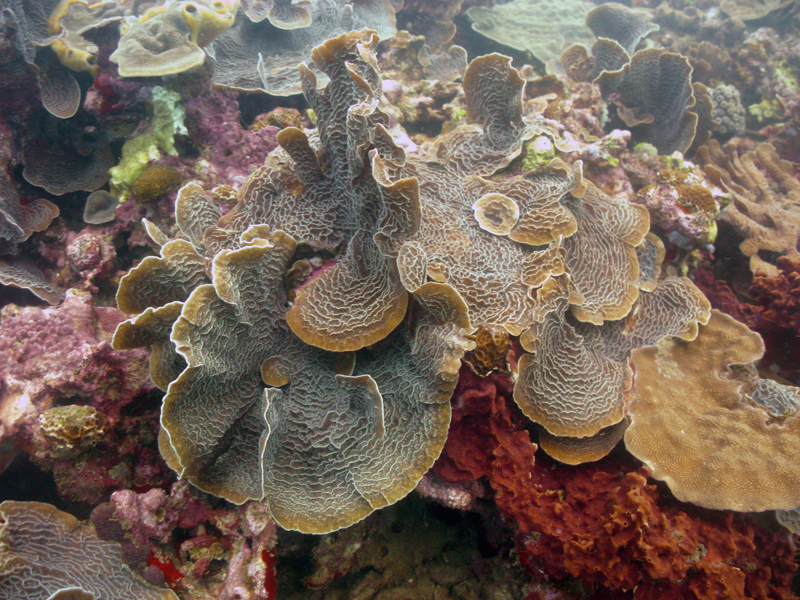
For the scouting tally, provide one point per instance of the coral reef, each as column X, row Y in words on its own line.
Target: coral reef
column 765, row 218
column 61, row 375
column 475, row 295
column 539, row 27
column 691, row 395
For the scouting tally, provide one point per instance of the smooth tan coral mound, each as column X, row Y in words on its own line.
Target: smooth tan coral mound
column 697, row 422
column 46, row 553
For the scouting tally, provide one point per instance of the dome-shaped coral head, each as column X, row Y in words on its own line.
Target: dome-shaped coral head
column 169, row 38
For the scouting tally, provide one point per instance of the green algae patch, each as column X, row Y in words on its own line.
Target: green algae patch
column 157, row 139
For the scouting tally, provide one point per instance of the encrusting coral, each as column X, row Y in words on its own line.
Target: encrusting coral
column 701, row 397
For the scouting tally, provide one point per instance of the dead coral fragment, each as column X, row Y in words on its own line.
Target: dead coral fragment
column 47, row 554
column 258, row 414
column 698, row 426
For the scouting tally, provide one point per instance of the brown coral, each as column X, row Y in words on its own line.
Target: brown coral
column 322, row 443
column 323, row 438
column 768, row 220
column 619, row 23
column 699, row 426
column 17, row 223
column 169, row 39
column 155, row 181
column 653, row 93
column 258, row 56
column 46, row 553
column 573, row 379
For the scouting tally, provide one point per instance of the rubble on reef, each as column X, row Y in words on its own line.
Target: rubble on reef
column 381, row 300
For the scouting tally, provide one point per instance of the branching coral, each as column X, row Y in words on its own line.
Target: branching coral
column 768, row 219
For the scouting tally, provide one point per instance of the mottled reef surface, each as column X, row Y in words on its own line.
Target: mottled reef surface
column 382, row 300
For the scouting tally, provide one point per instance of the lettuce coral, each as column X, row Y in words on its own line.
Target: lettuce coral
column 47, row 553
